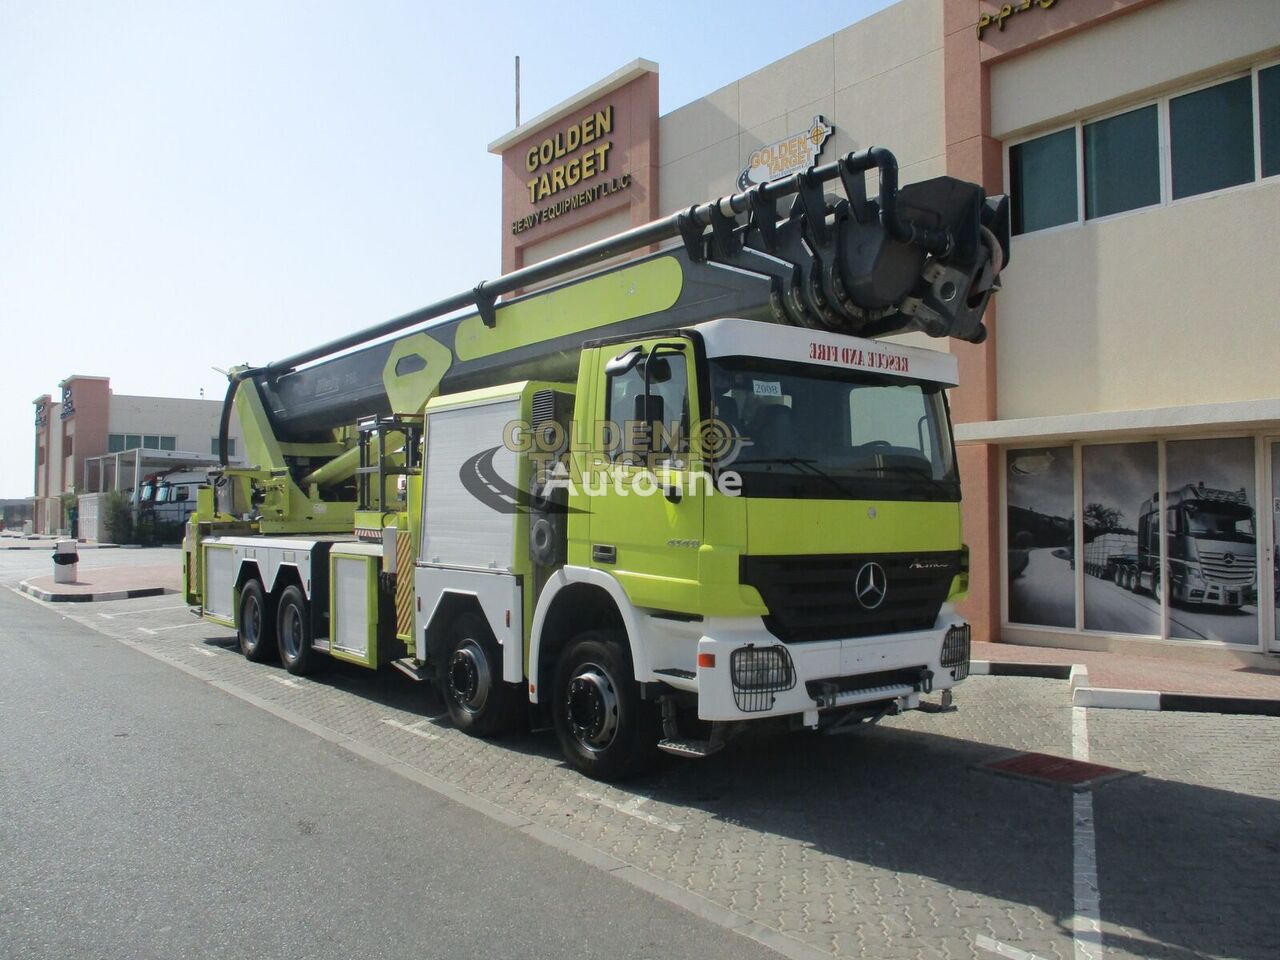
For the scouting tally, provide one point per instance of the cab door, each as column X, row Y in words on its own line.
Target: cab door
column 645, row 491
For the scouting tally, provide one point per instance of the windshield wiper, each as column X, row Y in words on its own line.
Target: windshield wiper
column 922, row 473
column 802, row 464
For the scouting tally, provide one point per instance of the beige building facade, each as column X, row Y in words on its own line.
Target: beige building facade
column 92, row 439
column 1119, row 431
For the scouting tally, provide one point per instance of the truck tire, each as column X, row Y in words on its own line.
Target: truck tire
column 254, row 624
column 606, row 730
column 471, row 684
column 293, row 627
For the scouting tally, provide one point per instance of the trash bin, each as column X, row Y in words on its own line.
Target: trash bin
column 66, row 562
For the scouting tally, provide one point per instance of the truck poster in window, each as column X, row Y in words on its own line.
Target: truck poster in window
column 1118, row 478
column 1041, row 545
column 1210, row 532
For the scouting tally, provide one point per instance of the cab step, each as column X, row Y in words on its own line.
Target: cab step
column 409, row 669
column 693, row 749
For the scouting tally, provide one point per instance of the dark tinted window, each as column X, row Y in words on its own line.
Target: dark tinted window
column 1042, row 177
column 1121, row 163
column 1269, row 114
column 1211, row 138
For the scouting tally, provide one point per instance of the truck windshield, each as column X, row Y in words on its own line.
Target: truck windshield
column 162, row 494
column 147, row 493
column 1219, row 522
column 824, row 433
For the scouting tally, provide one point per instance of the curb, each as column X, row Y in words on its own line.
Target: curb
column 49, row 596
column 1084, row 695
column 46, row 546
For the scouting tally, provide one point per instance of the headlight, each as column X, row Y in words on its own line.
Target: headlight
column 759, row 672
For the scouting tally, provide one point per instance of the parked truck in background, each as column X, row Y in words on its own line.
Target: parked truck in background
column 643, row 506
column 1211, row 545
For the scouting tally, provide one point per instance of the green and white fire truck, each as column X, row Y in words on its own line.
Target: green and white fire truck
column 644, row 505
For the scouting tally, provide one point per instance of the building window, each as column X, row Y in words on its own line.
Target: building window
column 1042, row 177
column 231, row 446
column 1160, row 538
column 115, row 442
column 1211, row 138
column 1041, row 525
column 1121, row 163
column 1269, row 119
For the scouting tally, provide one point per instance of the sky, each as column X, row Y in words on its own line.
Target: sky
column 186, row 186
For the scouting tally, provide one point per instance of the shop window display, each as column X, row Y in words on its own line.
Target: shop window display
column 1119, row 565
column 1041, row 540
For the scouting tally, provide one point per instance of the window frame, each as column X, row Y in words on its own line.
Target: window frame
column 1164, row 146
column 1016, row 632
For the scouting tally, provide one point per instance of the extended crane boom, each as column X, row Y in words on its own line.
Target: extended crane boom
column 925, row 256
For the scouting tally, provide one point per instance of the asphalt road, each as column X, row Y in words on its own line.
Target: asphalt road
column 145, row 814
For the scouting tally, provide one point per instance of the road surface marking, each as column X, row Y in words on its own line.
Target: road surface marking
column 152, row 631
column 207, row 653
column 1086, row 924
column 1004, row 950
column 283, row 681
column 411, row 728
column 134, row 613
column 632, row 809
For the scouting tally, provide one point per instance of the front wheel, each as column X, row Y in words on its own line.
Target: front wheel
column 293, row 625
column 471, row 683
column 605, row 729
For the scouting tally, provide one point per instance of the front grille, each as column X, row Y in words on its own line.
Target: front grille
column 815, row 597
column 1215, row 567
column 955, row 651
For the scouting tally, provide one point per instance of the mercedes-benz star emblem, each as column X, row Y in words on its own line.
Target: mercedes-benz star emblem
column 1229, row 559
column 870, row 585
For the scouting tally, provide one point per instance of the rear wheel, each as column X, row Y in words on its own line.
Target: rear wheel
column 293, row 626
column 605, row 729
column 471, row 684
column 254, row 625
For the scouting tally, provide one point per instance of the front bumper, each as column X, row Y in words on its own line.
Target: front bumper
column 828, row 674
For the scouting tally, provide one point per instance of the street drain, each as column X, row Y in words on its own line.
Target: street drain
column 1058, row 771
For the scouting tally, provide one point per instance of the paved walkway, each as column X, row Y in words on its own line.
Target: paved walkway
column 109, row 583
column 1124, row 671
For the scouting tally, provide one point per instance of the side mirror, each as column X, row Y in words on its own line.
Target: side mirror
column 624, row 361
column 649, row 411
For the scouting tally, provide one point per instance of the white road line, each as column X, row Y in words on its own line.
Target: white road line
column 1086, row 924
column 1004, row 950
column 283, row 681
column 134, row 613
column 632, row 809
column 152, row 631
column 411, row 728
column 207, row 653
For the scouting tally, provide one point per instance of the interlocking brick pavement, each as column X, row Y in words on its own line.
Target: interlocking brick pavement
column 883, row 842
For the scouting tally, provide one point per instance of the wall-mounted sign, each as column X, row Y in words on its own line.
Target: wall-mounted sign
column 789, row 155
column 575, row 157
column 1007, row 10
column 68, row 405
column 42, row 415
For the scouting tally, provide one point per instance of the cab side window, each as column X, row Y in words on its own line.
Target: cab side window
column 669, row 384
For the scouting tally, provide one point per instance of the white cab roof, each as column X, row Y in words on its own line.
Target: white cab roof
column 751, row 338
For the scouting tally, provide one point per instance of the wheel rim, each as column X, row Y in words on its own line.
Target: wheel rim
column 469, row 680
column 591, row 704
column 252, row 623
column 292, row 632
